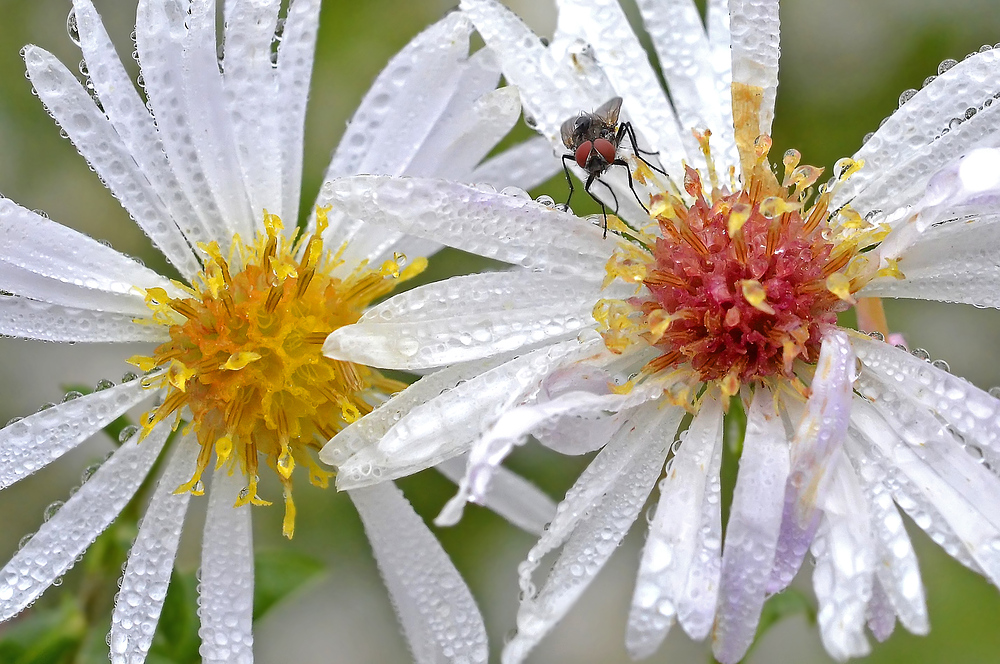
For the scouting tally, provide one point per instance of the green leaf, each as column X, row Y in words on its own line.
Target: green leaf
column 45, row 637
column 279, row 574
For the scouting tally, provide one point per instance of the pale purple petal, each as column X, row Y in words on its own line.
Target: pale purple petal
column 151, row 560
column 225, row 603
column 434, row 606
column 752, row 529
column 670, row 568
column 35, row 441
column 881, row 615
column 57, row 544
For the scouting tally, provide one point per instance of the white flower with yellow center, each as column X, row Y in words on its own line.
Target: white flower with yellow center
column 209, row 165
column 723, row 296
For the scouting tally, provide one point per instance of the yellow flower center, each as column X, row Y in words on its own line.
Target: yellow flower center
column 244, row 355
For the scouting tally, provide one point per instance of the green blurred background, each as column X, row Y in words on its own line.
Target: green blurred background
column 844, row 64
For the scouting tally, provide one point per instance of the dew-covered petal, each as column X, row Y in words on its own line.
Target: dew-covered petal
column 35, row 441
column 47, row 261
column 55, row 547
column 921, row 120
column 754, row 27
column 720, row 48
column 132, row 120
column 592, row 520
column 30, row 319
column 524, row 165
column 752, row 529
column 251, row 85
column 448, row 424
column 513, row 428
column 604, row 26
column 151, row 560
column 225, row 603
column 209, row 99
column 679, row 569
column 973, row 412
column 466, row 318
column 881, row 615
column 898, row 573
column 295, row 62
column 510, row 495
column 96, row 139
column 506, row 228
column 845, row 564
column 439, row 616
column 159, row 33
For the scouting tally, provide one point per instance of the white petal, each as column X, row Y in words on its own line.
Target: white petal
column 752, row 530
column 54, row 548
column 606, row 29
column 251, row 89
column 919, row 122
column 434, row 606
column 132, row 120
column 159, row 32
column 225, row 603
column 526, row 165
column 370, row 429
column 37, row 440
column 446, row 425
column 513, row 428
column 973, row 412
column 506, row 228
column 212, row 121
column 897, row 569
column 151, row 560
column 466, row 318
column 96, row 139
column 295, row 63
column 596, row 514
column 754, row 27
column 29, row 319
column 510, row 495
column 684, row 52
column 845, row 565
column 47, row 261
column 720, row 40
column 672, row 580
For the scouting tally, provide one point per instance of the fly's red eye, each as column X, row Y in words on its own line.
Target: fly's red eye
column 583, row 153
column 606, row 149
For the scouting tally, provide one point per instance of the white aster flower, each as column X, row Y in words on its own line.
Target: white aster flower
column 726, row 293
column 208, row 165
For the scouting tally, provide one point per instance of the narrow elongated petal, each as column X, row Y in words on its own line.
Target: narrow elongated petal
column 510, row 495
column 29, row 319
column 881, row 615
column 37, row 440
column 151, row 560
column 251, row 86
column 448, row 424
column 752, row 529
column 678, row 573
column 513, row 429
column 754, row 28
column 719, row 41
column 819, row 435
column 225, row 603
column 55, row 547
column 99, row 143
column 594, row 522
column 295, row 61
column 845, row 565
column 466, row 318
column 525, row 165
column 434, row 606
column 507, row 228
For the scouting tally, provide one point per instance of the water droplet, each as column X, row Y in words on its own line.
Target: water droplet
column 129, row 377
column 906, row 96
column 877, row 336
column 127, row 433
column 530, row 121
column 946, row 65
column 13, row 420
column 52, row 510
column 941, row 364
column 995, row 392
column 69, row 396
column 546, row 200
column 72, row 28
column 921, row 354
column 103, row 384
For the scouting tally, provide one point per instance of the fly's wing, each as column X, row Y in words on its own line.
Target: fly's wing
column 609, row 110
column 568, row 132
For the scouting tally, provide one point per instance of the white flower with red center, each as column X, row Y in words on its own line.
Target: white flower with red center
column 208, row 164
column 722, row 294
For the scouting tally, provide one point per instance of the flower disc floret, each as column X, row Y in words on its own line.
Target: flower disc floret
column 245, row 358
